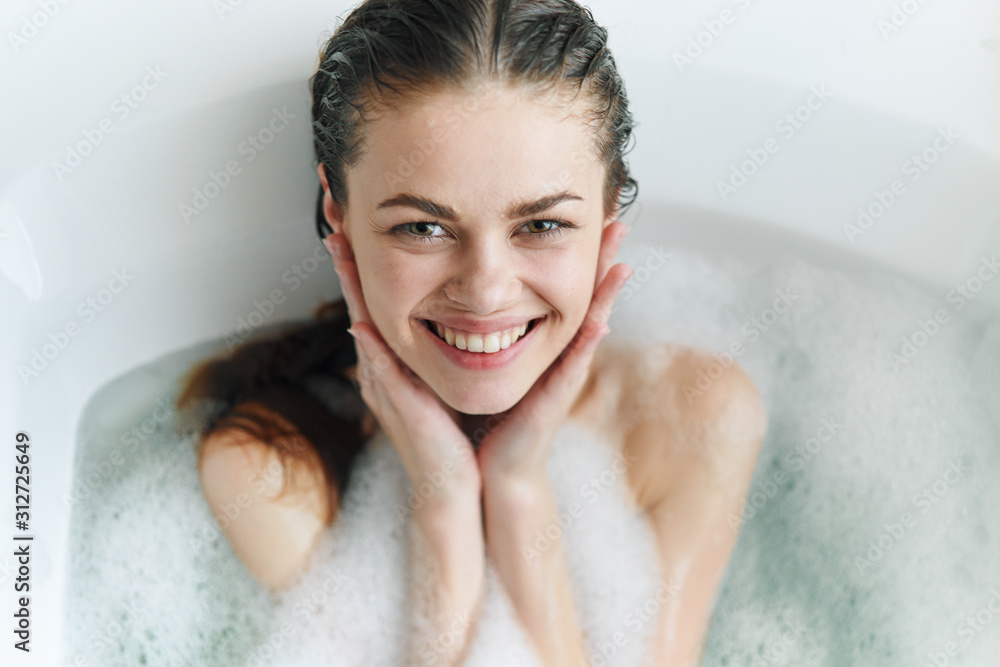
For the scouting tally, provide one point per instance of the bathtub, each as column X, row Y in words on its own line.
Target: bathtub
column 158, row 187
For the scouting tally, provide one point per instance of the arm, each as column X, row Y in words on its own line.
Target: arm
column 537, row 581
column 699, row 452
column 446, row 532
column 447, row 578
column 517, row 493
column 272, row 534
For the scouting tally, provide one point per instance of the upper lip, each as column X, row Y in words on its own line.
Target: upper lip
column 482, row 326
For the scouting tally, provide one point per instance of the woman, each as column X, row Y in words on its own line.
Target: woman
column 472, row 172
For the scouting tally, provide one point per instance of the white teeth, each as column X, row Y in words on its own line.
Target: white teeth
column 486, row 343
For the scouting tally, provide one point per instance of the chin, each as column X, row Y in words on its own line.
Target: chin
column 494, row 403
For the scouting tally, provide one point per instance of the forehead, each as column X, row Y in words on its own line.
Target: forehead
column 477, row 149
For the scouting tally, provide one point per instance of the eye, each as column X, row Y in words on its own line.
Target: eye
column 557, row 229
column 422, row 226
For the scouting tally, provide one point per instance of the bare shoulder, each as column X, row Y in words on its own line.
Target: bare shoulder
column 271, row 512
column 680, row 408
column 690, row 430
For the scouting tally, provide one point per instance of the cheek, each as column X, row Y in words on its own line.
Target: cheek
column 392, row 288
column 567, row 284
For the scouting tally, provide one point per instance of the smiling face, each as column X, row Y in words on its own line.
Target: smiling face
column 482, row 210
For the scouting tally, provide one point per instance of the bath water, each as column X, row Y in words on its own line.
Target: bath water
column 870, row 535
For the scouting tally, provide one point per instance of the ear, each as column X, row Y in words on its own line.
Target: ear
column 614, row 213
column 331, row 211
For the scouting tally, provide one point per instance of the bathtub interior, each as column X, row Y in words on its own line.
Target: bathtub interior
column 875, row 479
column 64, row 236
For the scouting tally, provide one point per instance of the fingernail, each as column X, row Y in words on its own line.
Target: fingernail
column 353, row 333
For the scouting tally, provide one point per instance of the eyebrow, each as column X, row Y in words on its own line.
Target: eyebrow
column 519, row 210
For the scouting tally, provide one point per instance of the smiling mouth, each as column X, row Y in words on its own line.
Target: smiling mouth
column 485, row 343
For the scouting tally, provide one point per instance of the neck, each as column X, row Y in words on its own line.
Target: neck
column 475, row 427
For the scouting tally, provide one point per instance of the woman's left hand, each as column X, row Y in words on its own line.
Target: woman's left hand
column 518, row 449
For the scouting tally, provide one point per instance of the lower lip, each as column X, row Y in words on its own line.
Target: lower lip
column 482, row 361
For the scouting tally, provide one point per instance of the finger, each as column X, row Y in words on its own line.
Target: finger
column 385, row 371
column 373, row 354
column 573, row 368
column 339, row 246
column 575, row 360
column 552, row 393
column 611, row 239
column 572, row 363
column 361, row 370
column 368, row 373
column 600, row 307
column 334, row 247
column 347, row 270
column 607, row 292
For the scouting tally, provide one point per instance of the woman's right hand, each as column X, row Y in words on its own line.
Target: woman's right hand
column 449, row 556
column 438, row 457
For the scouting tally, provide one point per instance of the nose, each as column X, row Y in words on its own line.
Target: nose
column 486, row 276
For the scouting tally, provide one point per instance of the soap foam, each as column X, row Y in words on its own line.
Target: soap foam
column 374, row 540
column 840, row 560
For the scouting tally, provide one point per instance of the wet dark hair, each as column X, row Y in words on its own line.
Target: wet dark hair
column 388, row 50
column 383, row 53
